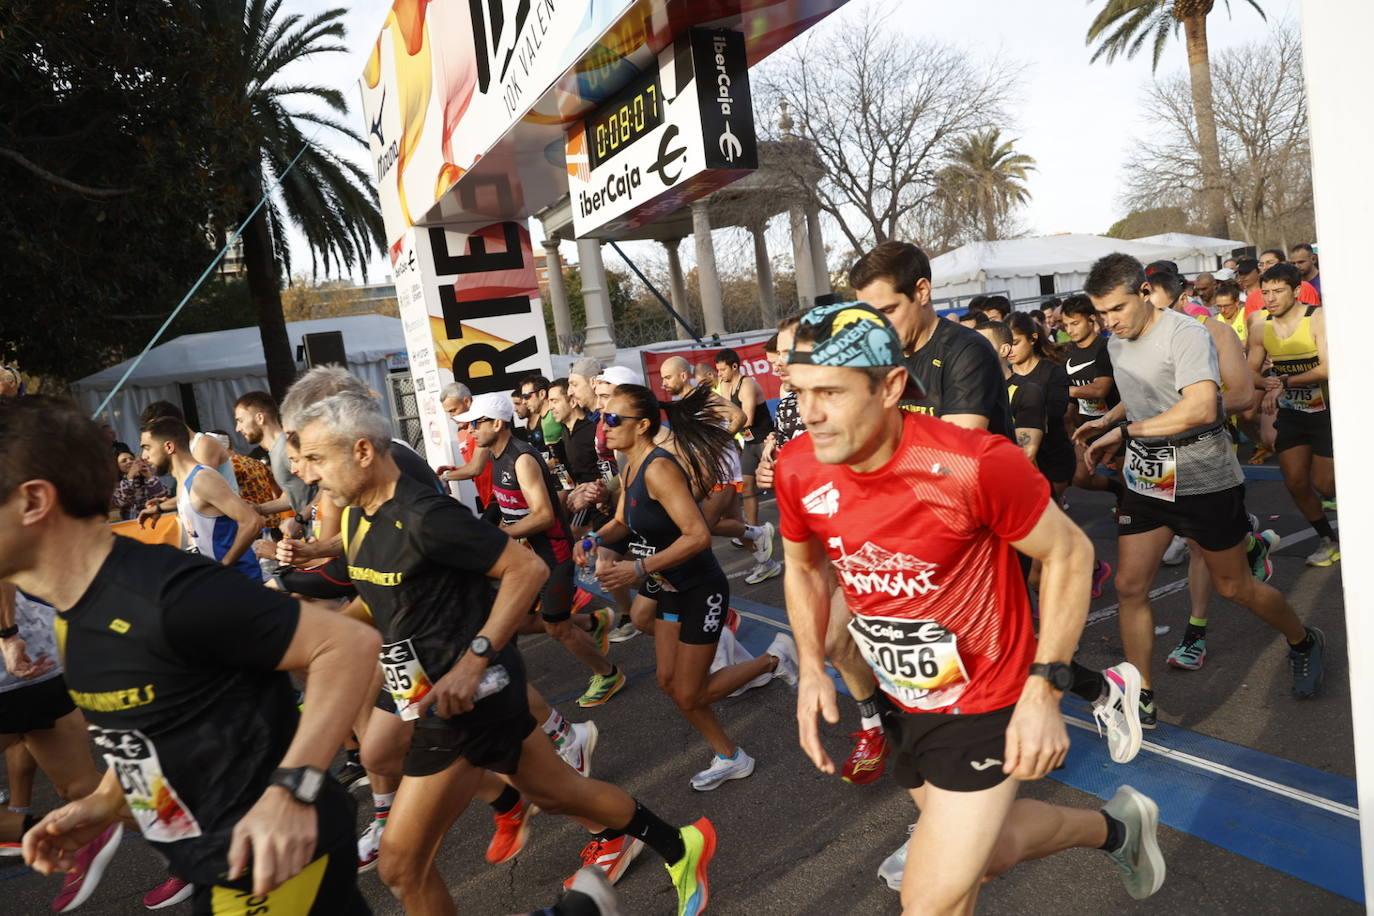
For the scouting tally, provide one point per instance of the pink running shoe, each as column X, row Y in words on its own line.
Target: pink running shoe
column 168, row 893
column 91, row 860
column 1101, row 573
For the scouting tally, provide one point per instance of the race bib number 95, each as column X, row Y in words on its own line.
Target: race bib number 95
column 917, row 662
column 404, row 677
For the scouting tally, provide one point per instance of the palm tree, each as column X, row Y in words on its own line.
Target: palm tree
column 329, row 199
column 1123, row 27
column 985, row 178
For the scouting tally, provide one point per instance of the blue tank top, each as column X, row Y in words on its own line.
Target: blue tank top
column 213, row 535
column 655, row 530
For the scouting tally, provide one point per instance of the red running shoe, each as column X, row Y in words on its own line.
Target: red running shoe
column 168, row 893
column 91, row 860
column 866, row 763
column 1101, row 573
column 613, row 857
column 511, row 830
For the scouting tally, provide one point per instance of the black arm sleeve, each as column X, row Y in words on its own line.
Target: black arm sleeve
column 451, row 536
column 217, row 617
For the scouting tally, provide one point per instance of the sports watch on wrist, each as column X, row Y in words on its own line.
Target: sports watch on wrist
column 482, row 647
column 7, row 632
column 1058, row 674
column 304, row 783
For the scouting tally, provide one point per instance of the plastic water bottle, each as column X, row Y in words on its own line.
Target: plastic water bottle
column 494, row 681
column 589, row 548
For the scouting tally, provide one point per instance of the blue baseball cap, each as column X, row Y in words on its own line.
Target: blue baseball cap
column 853, row 335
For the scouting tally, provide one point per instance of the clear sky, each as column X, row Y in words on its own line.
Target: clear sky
column 1075, row 118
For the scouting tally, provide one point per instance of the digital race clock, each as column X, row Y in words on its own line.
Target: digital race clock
column 623, row 120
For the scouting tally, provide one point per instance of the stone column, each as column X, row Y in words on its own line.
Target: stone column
column 768, row 304
column 677, row 286
column 821, row 274
column 600, row 341
column 558, row 295
column 712, row 310
column 802, row 261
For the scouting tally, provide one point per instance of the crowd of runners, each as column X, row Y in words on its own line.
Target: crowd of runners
column 352, row 617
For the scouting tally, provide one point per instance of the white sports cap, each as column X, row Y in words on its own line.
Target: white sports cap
column 490, row 406
column 620, row 375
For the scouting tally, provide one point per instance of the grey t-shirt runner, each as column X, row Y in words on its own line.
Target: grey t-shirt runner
column 300, row 493
column 1150, row 373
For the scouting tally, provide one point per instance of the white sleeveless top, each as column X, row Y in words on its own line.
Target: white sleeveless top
column 212, row 535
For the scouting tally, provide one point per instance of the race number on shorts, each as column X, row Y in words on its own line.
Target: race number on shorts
column 1152, row 470
column 161, row 815
column 404, row 678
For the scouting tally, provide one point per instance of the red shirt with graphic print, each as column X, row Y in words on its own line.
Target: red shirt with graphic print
column 922, row 549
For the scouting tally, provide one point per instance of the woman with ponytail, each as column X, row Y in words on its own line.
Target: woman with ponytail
column 670, row 549
column 1034, row 358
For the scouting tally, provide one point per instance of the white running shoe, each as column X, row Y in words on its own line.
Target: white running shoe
column 784, row 648
column 730, row 652
column 1118, row 710
column 578, row 750
column 763, row 547
column 1328, row 553
column 625, row 632
column 763, row 571
column 370, row 844
column 723, row 769
column 1177, row 552
column 894, row 865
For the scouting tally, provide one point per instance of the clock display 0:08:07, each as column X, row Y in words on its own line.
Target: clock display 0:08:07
column 622, row 121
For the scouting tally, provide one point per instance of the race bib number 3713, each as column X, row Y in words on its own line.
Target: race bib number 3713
column 917, row 662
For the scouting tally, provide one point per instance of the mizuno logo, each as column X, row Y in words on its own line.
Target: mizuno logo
column 989, row 762
column 1071, row 368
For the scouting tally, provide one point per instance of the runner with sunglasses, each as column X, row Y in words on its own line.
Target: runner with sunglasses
column 670, row 548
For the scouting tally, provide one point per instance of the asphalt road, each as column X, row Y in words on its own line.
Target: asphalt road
column 793, row 841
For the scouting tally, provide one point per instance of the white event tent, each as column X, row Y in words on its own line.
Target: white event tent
column 221, row 365
column 1016, row 265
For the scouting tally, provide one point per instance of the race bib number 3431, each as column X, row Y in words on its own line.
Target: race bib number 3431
column 1152, row 470
column 916, row 661
column 162, row 816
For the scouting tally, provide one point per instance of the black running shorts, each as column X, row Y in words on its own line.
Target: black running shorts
column 328, row 886
column 556, row 598
column 957, row 753
column 1294, row 428
column 750, row 456
column 1217, row 521
column 700, row 611
column 491, row 746
column 34, row 707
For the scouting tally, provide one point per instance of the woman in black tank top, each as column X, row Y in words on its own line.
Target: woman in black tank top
column 670, row 551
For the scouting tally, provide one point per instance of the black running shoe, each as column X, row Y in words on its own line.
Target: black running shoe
column 352, row 776
column 1309, row 668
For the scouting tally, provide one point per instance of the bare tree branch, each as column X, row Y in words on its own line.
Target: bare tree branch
column 99, row 193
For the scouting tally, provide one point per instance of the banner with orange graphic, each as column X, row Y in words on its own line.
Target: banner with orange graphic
column 447, row 78
column 470, row 307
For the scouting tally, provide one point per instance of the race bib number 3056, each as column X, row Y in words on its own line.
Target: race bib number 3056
column 916, row 661
column 1152, row 470
column 161, row 815
column 404, row 678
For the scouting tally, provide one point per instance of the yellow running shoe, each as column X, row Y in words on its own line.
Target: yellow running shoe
column 689, row 872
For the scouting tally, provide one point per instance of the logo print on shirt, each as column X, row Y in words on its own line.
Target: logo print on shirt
column 120, row 626
column 1072, row 368
column 874, row 570
column 824, row 500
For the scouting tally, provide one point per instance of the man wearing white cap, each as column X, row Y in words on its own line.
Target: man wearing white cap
column 531, row 512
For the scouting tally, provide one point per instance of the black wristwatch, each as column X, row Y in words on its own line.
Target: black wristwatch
column 304, row 783
column 1125, row 431
column 1058, row 674
column 9, row 631
column 482, row 647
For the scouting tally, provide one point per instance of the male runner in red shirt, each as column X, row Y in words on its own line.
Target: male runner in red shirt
column 921, row 521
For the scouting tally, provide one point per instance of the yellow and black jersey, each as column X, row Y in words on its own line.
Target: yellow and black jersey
column 1295, row 354
column 172, row 658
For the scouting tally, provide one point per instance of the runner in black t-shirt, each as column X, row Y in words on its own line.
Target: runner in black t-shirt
column 1089, row 365
column 1032, row 359
column 531, row 512
column 424, row 565
column 180, row 665
column 1025, row 397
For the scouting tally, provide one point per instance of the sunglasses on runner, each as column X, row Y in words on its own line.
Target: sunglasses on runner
column 613, row 419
